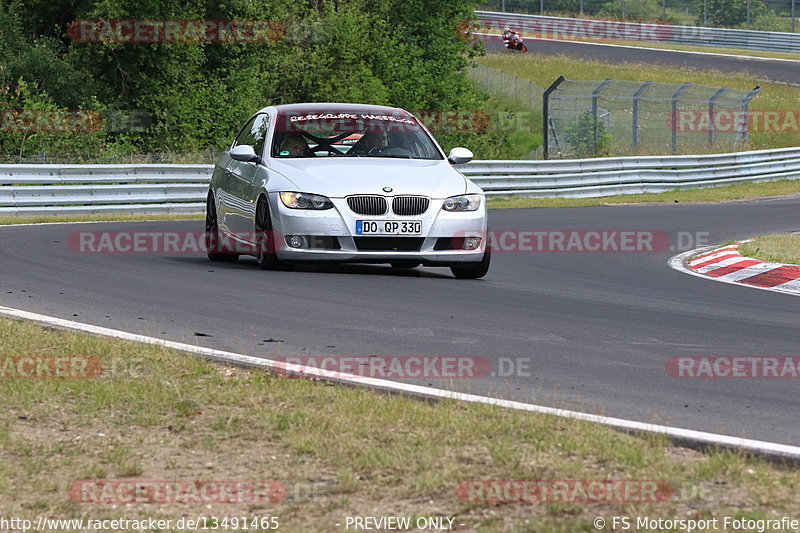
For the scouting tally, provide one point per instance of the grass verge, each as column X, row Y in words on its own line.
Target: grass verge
column 745, row 191
column 156, row 414
column 44, row 219
column 544, row 69
column 780, row 248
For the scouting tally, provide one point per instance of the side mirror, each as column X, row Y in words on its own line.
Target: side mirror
column 459, row 156
column 244, row 153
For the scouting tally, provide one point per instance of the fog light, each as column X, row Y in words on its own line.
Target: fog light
column 296, row 241
column 472, row 243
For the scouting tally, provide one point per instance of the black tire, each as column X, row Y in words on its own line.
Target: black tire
column 405, row 264
column 473, row 270
column 212, row 241
column 265, row 238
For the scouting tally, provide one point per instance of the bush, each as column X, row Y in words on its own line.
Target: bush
column 633, row 10
column 588, row 137
column 729, row 13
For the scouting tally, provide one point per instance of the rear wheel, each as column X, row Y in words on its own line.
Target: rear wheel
column 214, row 248
column 473, row 270
column 265, row 238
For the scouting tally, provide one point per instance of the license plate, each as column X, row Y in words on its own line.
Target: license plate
column 388, row 227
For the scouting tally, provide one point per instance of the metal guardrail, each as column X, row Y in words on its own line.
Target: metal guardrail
column 583, row 178
column 571, row 28
column 92, row 189
column 149, row 189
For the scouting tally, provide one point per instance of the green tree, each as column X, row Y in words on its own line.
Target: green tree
column 408, row 53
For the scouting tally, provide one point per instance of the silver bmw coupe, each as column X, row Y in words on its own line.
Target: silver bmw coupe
column 345, row 183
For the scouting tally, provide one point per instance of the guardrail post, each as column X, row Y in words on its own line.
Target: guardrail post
column 711, row 103
column 546, row 116
column 635, row 124
column 683, row 88
column 746, row 107
column 595, row 96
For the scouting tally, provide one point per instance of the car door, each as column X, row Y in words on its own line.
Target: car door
column 240, row 208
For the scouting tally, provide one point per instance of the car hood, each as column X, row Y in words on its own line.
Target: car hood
column 340, row 177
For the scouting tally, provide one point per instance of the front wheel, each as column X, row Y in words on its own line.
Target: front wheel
column 473, row 270
column 265, row 238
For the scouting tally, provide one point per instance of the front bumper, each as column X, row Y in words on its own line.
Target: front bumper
column 340, row 222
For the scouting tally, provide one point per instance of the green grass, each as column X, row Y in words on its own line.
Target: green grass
column 544, row 69
column 156, row 414
column 714, row 194
column 44, row 219
column 780, row 248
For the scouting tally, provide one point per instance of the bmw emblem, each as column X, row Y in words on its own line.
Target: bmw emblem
column 387, row 189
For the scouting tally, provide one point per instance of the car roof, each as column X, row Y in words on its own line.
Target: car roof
column 333, row 106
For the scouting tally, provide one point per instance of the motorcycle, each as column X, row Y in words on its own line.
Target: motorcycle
column 515, row 42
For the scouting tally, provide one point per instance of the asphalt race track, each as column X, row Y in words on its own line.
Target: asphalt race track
column 597, row 328
column 761, row 69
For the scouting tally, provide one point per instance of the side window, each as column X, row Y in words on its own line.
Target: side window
column 254, row 133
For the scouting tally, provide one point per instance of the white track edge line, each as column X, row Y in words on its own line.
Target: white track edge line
column 763, row 447
column 677, row 262
column 716, row 54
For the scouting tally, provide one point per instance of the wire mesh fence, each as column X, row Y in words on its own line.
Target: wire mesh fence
column 507, row 87
column 766, row 15
column 595, row 118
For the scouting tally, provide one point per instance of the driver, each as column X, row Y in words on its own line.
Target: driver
column 293, row 145
column 372, row 140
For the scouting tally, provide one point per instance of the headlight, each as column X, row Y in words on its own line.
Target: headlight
column 302, row 200
column 467, row 202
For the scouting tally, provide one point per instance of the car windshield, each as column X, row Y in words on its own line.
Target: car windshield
column 329, row 133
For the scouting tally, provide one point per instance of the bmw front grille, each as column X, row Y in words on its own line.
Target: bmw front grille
column 367, row 205
column 410, row 206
